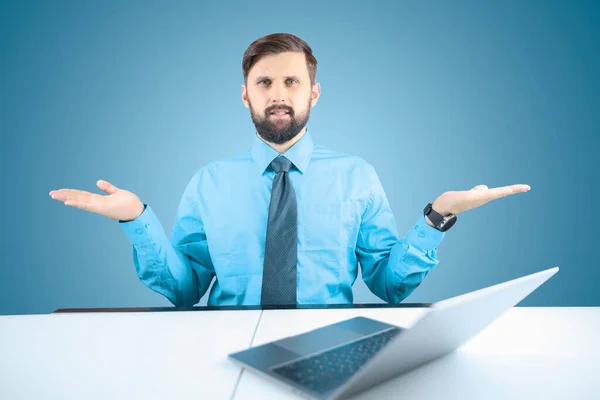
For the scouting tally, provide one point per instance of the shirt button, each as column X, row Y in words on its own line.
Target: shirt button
column 421, row 234
column 147, row 226
column 139, row 231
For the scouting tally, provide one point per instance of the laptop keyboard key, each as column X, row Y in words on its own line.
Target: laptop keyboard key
column 328, row 370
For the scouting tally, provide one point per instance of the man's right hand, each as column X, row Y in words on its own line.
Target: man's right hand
column 118, row 205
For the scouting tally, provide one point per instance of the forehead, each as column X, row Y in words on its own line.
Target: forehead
column 282, row 64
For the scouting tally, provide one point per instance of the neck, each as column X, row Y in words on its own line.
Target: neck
column 282, row 148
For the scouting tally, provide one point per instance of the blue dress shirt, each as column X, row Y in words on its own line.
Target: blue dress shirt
column 344, row 218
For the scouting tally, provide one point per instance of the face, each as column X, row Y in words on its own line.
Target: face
column 279, row 95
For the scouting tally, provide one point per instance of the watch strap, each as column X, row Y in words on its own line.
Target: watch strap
column 439, row 221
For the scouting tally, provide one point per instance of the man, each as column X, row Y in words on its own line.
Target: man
column 286, row 221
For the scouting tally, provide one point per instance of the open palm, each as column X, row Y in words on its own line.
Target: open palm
column 455, row 202
column 119, row 204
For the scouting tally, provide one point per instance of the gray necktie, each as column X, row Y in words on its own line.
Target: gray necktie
column 281, row 247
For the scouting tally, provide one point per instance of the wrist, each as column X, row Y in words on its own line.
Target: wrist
column 438, row 219
column 440, row 210
column 141, row 209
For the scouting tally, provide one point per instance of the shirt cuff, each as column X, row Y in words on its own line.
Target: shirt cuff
column 423, row 236
column 144, row 229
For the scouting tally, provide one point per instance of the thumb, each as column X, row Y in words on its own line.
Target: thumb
column 107, row 187
column 480, row 187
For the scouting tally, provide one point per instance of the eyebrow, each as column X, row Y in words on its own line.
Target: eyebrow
column 260, row 78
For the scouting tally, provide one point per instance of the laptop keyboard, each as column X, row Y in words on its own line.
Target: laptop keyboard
column 328, row 370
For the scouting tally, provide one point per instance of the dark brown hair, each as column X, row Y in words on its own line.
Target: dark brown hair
column 276, row 43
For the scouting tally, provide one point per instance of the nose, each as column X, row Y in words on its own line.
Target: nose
column 278, row 93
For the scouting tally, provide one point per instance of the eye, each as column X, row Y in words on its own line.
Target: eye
column 292, row 80
column 266, row 81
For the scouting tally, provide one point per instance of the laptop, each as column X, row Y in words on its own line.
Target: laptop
column 351, row 356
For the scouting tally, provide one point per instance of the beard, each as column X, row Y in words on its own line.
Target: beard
column 279, row 131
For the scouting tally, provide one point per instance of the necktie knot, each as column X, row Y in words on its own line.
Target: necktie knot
column 281, row 164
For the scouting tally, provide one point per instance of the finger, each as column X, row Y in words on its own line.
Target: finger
column 520, row 188
column 479, row 187
column 496, row 193
column 68, row 194
column 80, row 199
column 504, row 191
column 480, row 197
column 82, row 205
column 511, row 189
column 91, row 203
column 107, row 187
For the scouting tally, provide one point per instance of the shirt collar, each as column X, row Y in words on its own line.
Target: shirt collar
column 299, row 154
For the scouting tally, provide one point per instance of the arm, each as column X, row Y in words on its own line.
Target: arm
column 180, row 269
column 393, row 268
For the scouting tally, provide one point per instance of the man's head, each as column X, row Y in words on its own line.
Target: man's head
column 279, row 85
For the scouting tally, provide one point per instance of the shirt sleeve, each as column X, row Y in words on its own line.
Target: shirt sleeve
column 392, row 267
column 181, row 268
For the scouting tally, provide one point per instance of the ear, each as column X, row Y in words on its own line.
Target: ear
column 245, row 96
column 315, row 94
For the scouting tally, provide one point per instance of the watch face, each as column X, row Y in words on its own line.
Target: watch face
column 447, row 223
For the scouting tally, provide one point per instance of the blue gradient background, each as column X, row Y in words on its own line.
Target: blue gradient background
column 436, row 95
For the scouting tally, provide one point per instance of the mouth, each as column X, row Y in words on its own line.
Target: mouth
column 279, row 113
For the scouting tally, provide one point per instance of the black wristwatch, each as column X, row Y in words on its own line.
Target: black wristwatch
column 440, row 222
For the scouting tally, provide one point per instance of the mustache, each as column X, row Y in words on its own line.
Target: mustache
column 271, row 109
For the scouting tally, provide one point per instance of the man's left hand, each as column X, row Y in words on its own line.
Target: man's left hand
column 460, row 201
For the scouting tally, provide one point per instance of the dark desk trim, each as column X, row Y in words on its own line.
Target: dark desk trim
column 235, row 308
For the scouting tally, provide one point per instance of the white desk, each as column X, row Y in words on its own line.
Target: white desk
column 529, row 353
column 146, row 355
